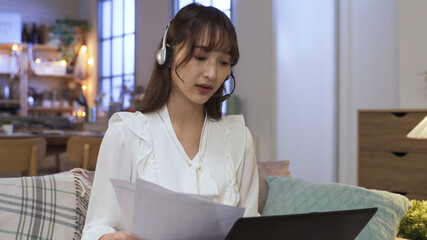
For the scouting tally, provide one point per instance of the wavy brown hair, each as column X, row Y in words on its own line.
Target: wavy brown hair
column 191, row 24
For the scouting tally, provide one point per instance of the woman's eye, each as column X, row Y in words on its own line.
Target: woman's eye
column 200, row 58
column 225, row 63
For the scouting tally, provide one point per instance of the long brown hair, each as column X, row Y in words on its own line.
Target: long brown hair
column 191, row 24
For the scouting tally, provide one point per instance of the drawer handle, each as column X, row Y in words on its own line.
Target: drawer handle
column 399, row 114
column 401, row 193
column 399, row 154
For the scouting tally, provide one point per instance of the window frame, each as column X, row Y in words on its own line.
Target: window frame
column 110, row 76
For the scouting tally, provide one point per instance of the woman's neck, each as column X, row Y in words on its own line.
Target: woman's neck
column 184, row 113
column 187, row 121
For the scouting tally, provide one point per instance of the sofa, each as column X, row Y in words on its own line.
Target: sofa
column 54, row 206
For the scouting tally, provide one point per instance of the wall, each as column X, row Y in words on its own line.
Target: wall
column 306, row 87
column 368, row 71
column 152, row 16
column 412, row 30
column 255, row 74
column 45, row 11
column 87, row 9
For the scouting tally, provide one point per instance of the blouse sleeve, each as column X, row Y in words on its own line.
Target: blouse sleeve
column 114, row 161
column 247, row 175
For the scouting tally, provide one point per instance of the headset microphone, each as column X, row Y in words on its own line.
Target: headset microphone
column 227, row 96
column 162, row 55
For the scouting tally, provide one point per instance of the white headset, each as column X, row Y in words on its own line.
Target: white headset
column 162, row 55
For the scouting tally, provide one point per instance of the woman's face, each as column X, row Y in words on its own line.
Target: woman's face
column 201, row 76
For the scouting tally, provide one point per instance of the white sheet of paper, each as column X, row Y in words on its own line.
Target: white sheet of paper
column 125, row 194
column 161, row 214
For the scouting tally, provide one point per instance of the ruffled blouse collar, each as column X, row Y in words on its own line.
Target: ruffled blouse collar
column 198, row 179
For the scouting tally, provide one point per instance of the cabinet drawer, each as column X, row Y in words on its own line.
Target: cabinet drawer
column 404, row 173
column 386, row 131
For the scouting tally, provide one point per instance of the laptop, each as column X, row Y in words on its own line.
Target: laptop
column 340, row 225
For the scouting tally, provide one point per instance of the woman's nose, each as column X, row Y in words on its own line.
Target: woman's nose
column 210, row 70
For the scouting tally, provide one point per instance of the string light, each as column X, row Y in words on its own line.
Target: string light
column 83, row 49
column 90, row 61
column 14, row 47
column 84, row 87
column 37, row 60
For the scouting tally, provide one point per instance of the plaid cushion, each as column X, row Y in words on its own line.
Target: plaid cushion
column 44, row 207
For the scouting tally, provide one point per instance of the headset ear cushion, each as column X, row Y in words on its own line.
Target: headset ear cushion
column 168, row 56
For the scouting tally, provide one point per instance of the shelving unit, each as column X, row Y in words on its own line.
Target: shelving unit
column 26, row 76
column 18, row 99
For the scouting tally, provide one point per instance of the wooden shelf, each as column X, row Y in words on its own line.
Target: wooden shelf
column 50, row 109
column 68, row 76
column 8, row 45
column 45, row 47
column 9, row 101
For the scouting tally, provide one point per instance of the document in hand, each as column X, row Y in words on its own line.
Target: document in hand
column 153, row 212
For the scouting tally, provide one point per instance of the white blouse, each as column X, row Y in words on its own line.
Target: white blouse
column 145, row 146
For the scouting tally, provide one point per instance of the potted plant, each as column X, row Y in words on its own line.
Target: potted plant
column 70, row 35
column 414, row 223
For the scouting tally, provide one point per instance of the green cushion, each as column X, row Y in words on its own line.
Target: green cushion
column 292, row 196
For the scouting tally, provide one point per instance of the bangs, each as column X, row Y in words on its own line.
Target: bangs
column 213, row 38
column 213, row 31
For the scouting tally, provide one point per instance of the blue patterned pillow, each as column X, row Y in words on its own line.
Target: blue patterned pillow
column 292, row 196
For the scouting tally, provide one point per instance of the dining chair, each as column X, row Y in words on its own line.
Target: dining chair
column 22, row 154
column 83, row 150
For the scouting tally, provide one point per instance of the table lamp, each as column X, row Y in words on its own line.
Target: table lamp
column 419, row 131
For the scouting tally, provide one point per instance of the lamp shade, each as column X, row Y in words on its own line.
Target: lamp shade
column 419, row 131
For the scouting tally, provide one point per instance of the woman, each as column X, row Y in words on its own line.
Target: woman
column 178, row 138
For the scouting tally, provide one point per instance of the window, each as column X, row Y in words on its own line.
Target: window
column 224, row 6
column 116, row 52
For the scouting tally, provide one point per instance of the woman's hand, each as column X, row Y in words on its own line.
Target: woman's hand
column 118, row 236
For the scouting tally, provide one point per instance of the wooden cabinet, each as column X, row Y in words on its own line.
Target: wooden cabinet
column 387, row 160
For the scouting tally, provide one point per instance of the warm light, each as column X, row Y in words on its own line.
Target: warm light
column 84, row 87
column 90, row 61
column 83, row 49
column 14, row 47
column 63, row 62
column 37, row 60
column 83, row 114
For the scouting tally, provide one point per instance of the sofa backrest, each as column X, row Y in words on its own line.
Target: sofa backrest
column 273, row 168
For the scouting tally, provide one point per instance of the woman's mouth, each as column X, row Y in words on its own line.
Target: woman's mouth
column 204, row 88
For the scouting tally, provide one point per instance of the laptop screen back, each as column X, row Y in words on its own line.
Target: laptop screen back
column 340, row 225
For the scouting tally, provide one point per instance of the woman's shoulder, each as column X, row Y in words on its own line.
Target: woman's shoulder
column 234, row 128
column 135, row 122
column 232, row 123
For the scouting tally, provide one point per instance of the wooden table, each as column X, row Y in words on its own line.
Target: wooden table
column 56, row 139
